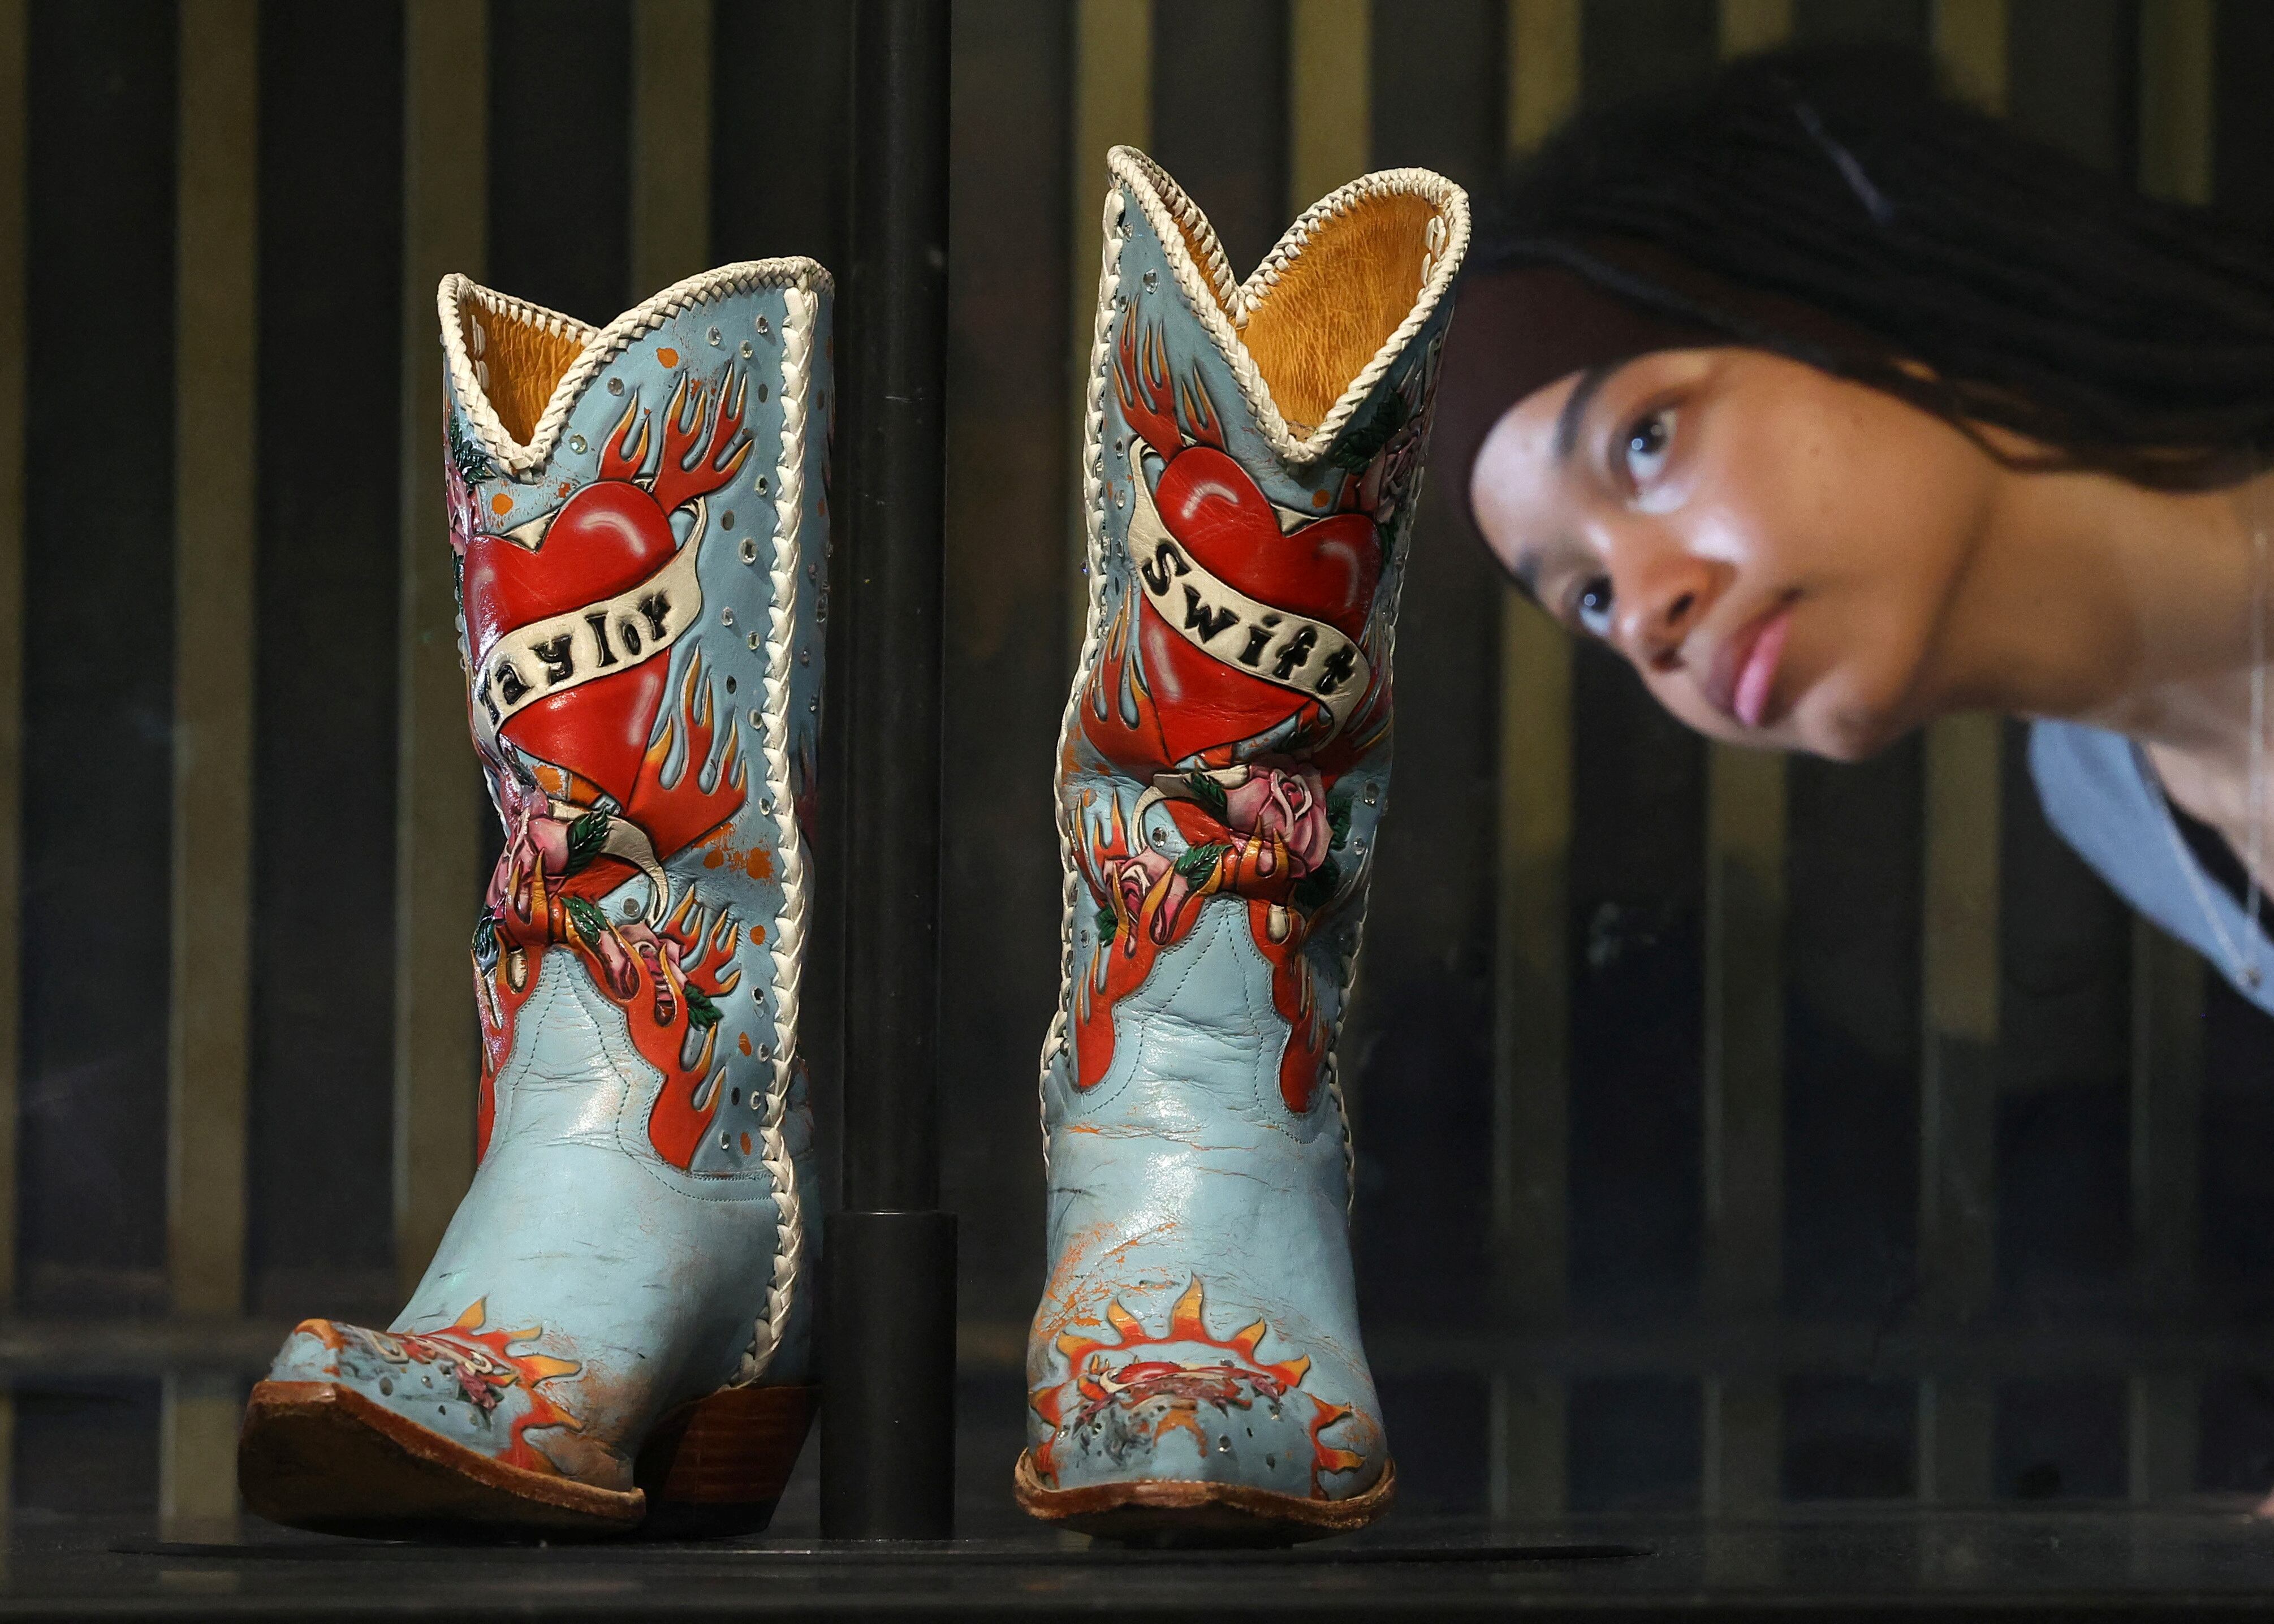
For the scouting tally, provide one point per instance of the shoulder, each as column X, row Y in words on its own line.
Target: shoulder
column 2090, row 782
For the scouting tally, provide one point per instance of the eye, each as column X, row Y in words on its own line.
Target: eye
column 1591, row 608
column 1646, row 444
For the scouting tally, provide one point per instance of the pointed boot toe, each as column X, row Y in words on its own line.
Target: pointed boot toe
column 614, row 1333
column 1254, row 457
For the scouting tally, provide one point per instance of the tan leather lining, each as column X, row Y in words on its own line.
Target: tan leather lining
column 525, row 362
column 1336, row 303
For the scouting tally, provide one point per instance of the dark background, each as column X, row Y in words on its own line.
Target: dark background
column 1637, row 1351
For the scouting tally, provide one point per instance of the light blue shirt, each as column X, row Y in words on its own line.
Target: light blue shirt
column 2097, row 791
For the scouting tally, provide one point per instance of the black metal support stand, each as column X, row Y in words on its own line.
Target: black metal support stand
column 888, row 1297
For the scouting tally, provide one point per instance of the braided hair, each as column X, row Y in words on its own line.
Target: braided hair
column 1838, row 207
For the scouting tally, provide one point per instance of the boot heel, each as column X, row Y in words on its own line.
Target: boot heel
column 717, row 1466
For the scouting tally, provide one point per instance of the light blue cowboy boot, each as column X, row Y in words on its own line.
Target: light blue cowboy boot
column 1254, row 457
column 617, row 1326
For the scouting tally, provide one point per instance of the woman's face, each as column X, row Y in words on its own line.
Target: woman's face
column 1774, row 549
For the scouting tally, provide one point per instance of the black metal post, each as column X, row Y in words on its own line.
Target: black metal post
column 888, row 1299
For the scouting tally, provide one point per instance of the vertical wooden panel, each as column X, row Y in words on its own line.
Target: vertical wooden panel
column 438, row 870
column 1416, row 1054
column 1009, row 287
column 198, row 1415
column 1828, row 20
column 1749, row 25
column 1543, row 42
column 98, row 655
column 2242, row 169
column 1960, row 973
column 780, row 81
column 1532, row 978
column 319, row 1213
column 13, row 313
column 1532, row 1034
column 1329, row 108
column 1743, row 1173
column 671, row 142
column 2179, row 117
column 214, row 457
column 1969, row 38
column 1959, row 1080
column 1112, row 107
column 1636, row 945
column 2177, row 38
column 1220, row 115
column 780, row 96
column 558, row 144
column 2072, row 66
column 1633, row 47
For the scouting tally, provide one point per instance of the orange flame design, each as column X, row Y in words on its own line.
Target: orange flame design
column 485, row 1366
column 702, row 957
column 677, row 813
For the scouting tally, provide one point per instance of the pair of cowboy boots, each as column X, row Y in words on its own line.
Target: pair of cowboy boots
column 616, row 1331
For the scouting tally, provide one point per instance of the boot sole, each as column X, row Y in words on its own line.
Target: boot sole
column 1195, row 1513
column 319, row 1456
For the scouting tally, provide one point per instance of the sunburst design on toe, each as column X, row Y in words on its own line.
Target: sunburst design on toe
column 1153, row 1391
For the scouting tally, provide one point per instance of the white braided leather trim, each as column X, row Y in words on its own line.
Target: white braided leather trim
column 787, row 950
column 602, row 345
column 1092, row 509
column 1223, row 310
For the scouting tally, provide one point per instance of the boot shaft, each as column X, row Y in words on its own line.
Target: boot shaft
column 1252, row 461
column 1253, row 465
column 639, row 519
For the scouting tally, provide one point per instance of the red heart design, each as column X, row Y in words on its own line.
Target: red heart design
column 1326, row 570
column 608, row 536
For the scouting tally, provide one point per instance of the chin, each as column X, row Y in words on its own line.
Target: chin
column 1847, row 728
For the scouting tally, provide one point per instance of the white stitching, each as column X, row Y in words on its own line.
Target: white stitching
column 1223, row 310
column 600, row 345
column 786, row 952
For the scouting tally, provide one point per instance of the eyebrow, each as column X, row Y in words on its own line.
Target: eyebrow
column 1575, row 404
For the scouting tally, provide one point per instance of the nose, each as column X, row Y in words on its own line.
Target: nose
column 1662, row 590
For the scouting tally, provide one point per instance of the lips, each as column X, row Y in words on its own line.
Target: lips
column 1742, row 680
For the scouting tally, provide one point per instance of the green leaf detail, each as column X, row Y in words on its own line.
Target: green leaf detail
column 1109, row 924
column 1364, row 442
column 1317, row 888
column 1339, row 819
column 1210, row 794
column 702, row 1014
column 485, row 942
column 472, row 463
column 586, row 837
column 1197, row 862
column 588, row 921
